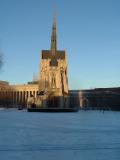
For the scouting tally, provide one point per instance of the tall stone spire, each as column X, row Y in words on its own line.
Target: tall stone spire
column 54, row 37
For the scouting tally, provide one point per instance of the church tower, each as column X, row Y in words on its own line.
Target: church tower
column 53, row 71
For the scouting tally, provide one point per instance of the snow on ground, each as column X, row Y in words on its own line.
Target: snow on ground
column 85, row 135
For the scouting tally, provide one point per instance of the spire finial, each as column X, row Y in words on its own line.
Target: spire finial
column 54, row 36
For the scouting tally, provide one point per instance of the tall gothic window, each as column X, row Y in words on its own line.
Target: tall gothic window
column 53, row 81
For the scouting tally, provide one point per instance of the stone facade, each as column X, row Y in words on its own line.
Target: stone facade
column 53, row 74
column 14, row 95
column 53, row 78
column 53, row 68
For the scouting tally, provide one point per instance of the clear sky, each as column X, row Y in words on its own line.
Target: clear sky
column 89, row 30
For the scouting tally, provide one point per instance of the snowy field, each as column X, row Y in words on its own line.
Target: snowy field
column 86, row 135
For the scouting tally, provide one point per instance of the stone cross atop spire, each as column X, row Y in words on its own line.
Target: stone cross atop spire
column 54, row 37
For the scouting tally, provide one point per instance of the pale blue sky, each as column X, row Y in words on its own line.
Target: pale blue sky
column 89, row 30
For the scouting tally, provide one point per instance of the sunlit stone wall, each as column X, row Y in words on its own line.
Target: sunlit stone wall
column 14, row 95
